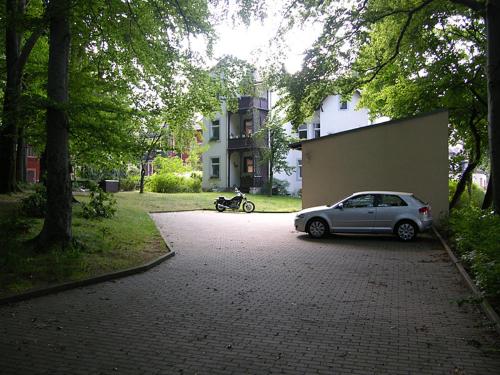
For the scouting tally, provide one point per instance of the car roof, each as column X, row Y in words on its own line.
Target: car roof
column 382, row 192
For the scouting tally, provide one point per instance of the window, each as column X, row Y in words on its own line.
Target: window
column 343, row 104
column 30, row 152
column 386, row 200
column 248, row 128
column 299, row 169
column 360, row 201
column 317, row 130
column 248, row 166
column 303, row 131
column 215, row 135
column 215, row 167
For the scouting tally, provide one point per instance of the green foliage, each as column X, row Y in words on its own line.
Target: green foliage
column 406, row 57
column 128, row 183
column 474, row 198
column 476, row 235
column 101, row 205
column 274, row 134
column 233, row 77
column 169, row 165
column 35, row 205
column 173, row 183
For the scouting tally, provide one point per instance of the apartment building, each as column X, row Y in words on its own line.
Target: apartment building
column 233, row 156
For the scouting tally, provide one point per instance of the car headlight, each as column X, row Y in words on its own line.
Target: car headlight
column 300, row 216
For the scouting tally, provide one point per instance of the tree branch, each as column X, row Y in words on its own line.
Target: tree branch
column 477, row 6
column 399, row 40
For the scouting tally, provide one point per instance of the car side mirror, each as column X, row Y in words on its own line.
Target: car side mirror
column 340, row 206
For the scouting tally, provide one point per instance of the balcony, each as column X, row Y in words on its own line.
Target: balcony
column 240, row 143
column 249, row 102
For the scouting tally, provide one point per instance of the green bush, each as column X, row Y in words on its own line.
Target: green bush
column 280, row 187
column 35, row 205
column 476, row 235
column 164, row 165
column 128, row 183
column 173, row 183
column 475, row 199
column 101, row 204
column 196, row 180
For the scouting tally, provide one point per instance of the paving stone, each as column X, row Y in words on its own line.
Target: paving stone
column 246, row 294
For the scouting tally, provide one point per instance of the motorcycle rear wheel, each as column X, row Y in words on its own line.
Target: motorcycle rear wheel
column 219, row 207
column 248, row 207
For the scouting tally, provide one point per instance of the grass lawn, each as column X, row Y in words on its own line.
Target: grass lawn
column 130, row 238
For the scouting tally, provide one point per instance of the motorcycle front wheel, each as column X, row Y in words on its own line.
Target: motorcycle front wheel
column 219, row 207
column 248, row 207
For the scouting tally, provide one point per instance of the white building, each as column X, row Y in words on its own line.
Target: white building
column 233, row 155
column 333, row 116
column 232, row 158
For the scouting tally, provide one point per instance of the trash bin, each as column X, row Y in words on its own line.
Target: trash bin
column 110, row 186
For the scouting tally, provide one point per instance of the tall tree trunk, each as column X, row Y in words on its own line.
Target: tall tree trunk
column 271, row 177
column 488, row 198
column 474, row 160
column 21, row 155
column 57, row 225
column 143, row 174
column 8, row 133
column 493, row 73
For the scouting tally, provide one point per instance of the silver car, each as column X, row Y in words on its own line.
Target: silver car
column 368, row 212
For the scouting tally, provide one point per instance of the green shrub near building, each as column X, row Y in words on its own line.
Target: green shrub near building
column 475, row 234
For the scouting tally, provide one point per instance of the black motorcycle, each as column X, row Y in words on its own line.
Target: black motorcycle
column 223, row 203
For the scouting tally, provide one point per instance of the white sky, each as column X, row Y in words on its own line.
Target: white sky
column 252, row 43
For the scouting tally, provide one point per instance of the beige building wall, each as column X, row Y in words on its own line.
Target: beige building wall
column 409, row 155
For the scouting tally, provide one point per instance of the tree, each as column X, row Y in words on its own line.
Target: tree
column 367, row 39
column 57, row 225
column 17, row 50
column 135, row 55
column 142, row 67
column 273, row 133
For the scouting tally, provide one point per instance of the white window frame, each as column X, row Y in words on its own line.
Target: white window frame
column 212, row 164
column 304, row 128
column 317, row 128
column 299, row 169
column 215, row 124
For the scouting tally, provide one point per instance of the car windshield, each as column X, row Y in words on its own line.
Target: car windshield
column 336, row 203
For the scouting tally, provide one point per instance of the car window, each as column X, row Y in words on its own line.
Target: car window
column 388, row 200
column 359, row 201
column 419, row 200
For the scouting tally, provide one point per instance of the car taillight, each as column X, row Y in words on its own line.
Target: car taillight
column 424, row 210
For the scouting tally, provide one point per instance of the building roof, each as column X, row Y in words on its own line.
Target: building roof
column 298, row 145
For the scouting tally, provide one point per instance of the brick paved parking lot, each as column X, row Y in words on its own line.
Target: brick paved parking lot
column 245, row 293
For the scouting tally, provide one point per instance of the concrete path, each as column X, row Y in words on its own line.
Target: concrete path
column 247, row 294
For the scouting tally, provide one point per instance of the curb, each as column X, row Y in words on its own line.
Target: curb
column 85, row 282
column 485, row 305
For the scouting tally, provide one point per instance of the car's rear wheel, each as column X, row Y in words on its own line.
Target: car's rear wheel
column 406, row 230
column 317, row 228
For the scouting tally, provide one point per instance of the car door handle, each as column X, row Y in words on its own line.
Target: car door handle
column 371, row 212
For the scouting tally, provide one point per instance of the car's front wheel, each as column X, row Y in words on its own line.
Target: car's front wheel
column 406, row 231
column 317, row 228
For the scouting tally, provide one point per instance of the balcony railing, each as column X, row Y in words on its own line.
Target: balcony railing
column 248, row 102
column 240, row 143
